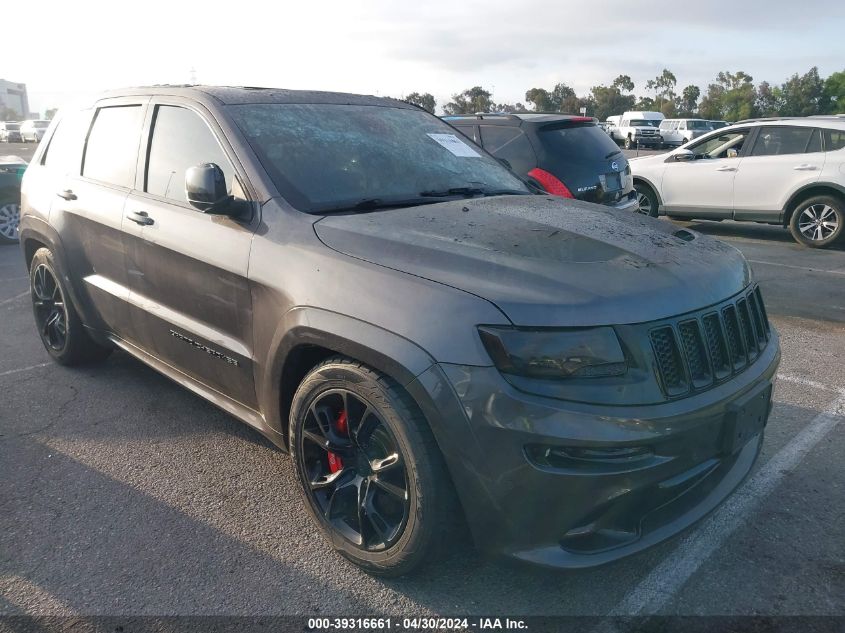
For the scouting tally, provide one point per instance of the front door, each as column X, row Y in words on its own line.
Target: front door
column 189, row 294
column 703, row 187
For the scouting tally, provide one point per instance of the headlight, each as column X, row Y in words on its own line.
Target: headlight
column 554, row 353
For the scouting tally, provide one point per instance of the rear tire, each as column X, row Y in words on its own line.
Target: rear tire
column 59, row 326
column 646, row 200
column 346, row 421
column 818, row 222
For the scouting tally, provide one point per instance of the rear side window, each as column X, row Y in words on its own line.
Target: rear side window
column 468, row 131
column 64, row 153
column 578, row 142
column 776, row 141
column 509, row 143
column 833, row 140
column 112, row 149
column 181, row 139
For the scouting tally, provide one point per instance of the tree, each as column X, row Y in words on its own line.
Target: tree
column 768, row 99
column 608, row 101
column 663, row 86
column 834, row 93
column 470, row 101
column 425, row 100
column 687, row 103
column 623, row 83
column 50, row 113
column 509, row 107
column 802, row 95
column 645, row 103
column 540, row 99
column 562, row 98
column 732, row 97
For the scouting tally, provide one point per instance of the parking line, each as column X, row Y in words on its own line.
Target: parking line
column 805, row 268
column 23, row 369
column 798, row 380
column 15, row 298
column 670, row 575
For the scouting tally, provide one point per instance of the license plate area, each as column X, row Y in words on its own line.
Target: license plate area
column 613, row 181
column 744, row 419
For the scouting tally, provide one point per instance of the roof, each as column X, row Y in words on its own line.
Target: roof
column 236, row 95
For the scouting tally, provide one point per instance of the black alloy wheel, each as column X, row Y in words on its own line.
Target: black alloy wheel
column 356, row 475
column 371, row 473
column 50, row 311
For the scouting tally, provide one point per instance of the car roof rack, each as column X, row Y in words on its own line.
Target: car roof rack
column 834, row 117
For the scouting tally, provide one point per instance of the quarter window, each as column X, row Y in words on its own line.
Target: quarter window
column 181, row 139
column 112, row 149
column 833, row 140
column 776, row 141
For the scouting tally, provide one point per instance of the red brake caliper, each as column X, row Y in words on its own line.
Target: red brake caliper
column 335, row 463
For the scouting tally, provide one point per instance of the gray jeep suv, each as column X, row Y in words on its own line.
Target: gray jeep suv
column 432, row 343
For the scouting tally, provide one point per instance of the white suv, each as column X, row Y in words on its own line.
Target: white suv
column 777, row 171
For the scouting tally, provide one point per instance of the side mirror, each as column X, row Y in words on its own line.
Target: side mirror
column 732, row 152
column 683, row 155
column 205, row 186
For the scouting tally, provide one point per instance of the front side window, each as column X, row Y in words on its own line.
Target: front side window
column 775, row 141
column 181, row 139
column 112, row 149
column 720, row 145
column 327, row 156
column 64, row 153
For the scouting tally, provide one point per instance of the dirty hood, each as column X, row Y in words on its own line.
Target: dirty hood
column 547, row 261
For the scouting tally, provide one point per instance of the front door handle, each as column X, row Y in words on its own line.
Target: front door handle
column 726, row 168
column 140, row 217
column 67, row 194
column 804, row 167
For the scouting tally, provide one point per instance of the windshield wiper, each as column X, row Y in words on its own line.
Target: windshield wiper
column 373, row 204
column 454, row 191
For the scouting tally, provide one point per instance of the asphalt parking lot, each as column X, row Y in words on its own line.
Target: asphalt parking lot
column 123, row 493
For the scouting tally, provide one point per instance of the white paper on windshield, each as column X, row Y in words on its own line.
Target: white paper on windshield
column 455, row 145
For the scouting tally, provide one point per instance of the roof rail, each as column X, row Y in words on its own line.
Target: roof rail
column 481, row 115
column 790, row 118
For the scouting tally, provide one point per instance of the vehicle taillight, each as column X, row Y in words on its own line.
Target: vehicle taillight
column 550, row 183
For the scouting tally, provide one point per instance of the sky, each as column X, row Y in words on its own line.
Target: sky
column 392, row 48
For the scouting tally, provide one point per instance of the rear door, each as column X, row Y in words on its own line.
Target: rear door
column 703, row 187
column 783, row 159
column 190, row 298
column 91, row 181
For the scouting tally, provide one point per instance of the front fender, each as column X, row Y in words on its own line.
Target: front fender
column 381, row 349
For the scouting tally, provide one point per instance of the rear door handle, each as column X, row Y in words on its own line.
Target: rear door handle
column 140, row 217
column 805, row 167
column 726, row 168
column 67, row 194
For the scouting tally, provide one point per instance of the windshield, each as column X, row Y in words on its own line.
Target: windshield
column 43, row 124
column 699, row 125
column 644, row 123
column 325, row 156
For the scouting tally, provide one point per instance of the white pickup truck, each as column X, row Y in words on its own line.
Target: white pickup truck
column 638, row 128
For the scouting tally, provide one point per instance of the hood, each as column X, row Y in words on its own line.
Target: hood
column 547, row 261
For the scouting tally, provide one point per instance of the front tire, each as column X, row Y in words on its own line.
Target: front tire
column 818, row 222
column 646, row 200
column 59, row 326
column 372, row 476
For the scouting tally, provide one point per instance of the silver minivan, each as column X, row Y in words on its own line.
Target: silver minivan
column 677, row 132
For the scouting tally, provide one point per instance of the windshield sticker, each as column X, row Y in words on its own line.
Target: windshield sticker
column 455, row 145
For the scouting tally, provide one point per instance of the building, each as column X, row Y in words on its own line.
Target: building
column 13, row 96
